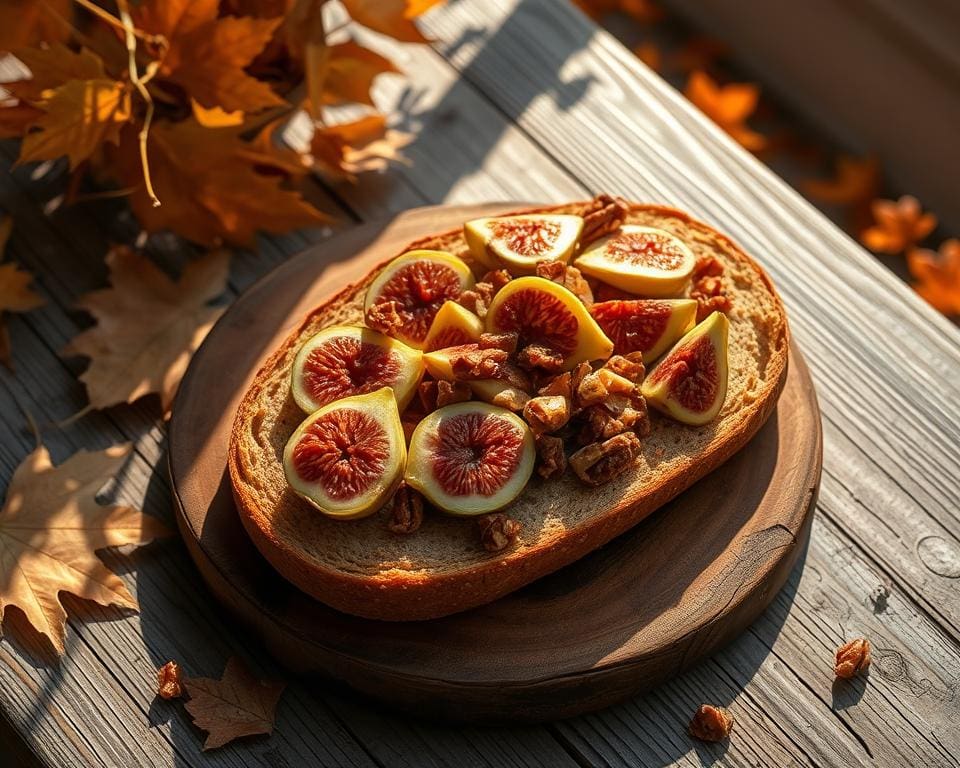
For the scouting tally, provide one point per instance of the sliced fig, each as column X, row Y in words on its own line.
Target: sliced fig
column 648, row 326
column 346, row 360
column 690, row 382
column 519, row 242
column 347, row 458
column 546, row 314
column 642, row 260
column 452, row 326
column 406, row 296
column 470, row 458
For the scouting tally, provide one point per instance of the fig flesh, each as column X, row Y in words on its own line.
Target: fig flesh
column 346, row 360
column 648, row 326
column 470, row 458
column 547, row 314
column 406, row 296
column 642, row 260
column 347, row 458
column 690, row 382
column 519, row 242
column 453, row 325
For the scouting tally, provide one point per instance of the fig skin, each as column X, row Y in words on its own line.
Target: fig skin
column 460, row 269
column 590, row 343
column 492, row 252
column 642, row 280
column 682, row 317
column 659, row 387
column 452, row 318
column 419, row 473
column 410, row 360
column 381, row 405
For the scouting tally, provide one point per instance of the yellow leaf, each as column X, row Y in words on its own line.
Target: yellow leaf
column 938, row 275
column 350, row 73
column 79, row 117
column 728, row 106
column 53, row 66
column 148, row 326
column 215, row 117
column 51, row 526
column 391, row 17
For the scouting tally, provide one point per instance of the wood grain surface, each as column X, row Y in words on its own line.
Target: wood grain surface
column 498, row 118
column 644, row 608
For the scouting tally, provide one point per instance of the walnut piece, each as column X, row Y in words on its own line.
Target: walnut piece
column 598, row 385
column 708, row 291
column 707, row 266
column 497, row 531
column 553, row 461
column 427, row 392
column 606, row 215
column 511, row 398
column 569, row 277
column 505, row 341
column 711, row 723
column 630, row 366
column 598, row 463
column 473, row 301
column 536, row 356
column 470, row 363
column 496, row 279
column 384, row 316
column 406, row 511
column 168, row 681
column 547, row 413
column 852, row 658
column 448, row 393
column 558, row 385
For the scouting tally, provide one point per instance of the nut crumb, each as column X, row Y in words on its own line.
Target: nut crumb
column 537, row 356
column 852, row 658
column 711, row 723
column 505, row 341
column 605, row 215
column 406, row 511
column 497, row 531
column 448, row 393
column 553, row 461
column 599, row 463
column 547, row 413
column 168, row 681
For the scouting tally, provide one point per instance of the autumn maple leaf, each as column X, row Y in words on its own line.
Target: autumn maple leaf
column 148, row 326
column 236, row 705
column 53, row 66
column 344, row 150
column 27, row 22
column 391, row 17
column 15, row 292
column 728, row 106
column 938, row 275
column 899, row 225
column 350, row 70
column 51, row 526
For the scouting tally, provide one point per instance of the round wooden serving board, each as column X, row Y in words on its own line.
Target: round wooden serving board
column 640, row 610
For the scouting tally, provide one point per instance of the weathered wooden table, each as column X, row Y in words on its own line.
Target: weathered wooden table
column 526, row 99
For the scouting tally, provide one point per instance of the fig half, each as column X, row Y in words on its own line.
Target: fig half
column 453, row 325
column 547, row 314
column 346, row 360
column 519, row 242
column 642, row 260
column 470, row 458
column 347, row 458
column 690, row 382
column 648, row 326
column 406, row 296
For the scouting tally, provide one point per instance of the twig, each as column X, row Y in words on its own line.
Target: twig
column 113, row 21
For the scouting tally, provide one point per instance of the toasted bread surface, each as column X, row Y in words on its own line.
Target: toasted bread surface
column 360, row 567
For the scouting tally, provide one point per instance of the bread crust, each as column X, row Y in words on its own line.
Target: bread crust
column 414, row 594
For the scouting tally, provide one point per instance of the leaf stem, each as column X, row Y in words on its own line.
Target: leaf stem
column 113, row 21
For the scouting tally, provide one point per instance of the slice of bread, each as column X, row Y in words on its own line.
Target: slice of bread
column 361, row 568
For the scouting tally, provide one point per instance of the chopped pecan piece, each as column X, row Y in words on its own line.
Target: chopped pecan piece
column 598, row 385
column 516, row 377
column 547, row 413
column 707, row 266
column 711, row 723
column 537, row 356
column 553, row 461
column 505, row 341
column 169, row 683
column 497, row 531
column 427, row 392
column 567, row 276
column 470, row 363
column 577, row 375
column 406, row 511
column 551, row 270
column 496, row 279
column 478, row 299
column 852, row 658
column 384, row 316
column 558, row 385
column 448, row 393
column 511, row 398
column 599, row 463
column 630, row 366
column 709, row 295
column 473, row 301
column 607, row 215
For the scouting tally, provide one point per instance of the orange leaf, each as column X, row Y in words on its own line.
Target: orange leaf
column 644, row 11
column 79, row 117
column 215, row 187
column 728, row 106
column 391, row 17
column 351, row 70
column 236, row 705
column 15, row 292
column 899, row 225
column 344, row 150
column 148, row 326
column 16, row 117
column 938, row 275
column 856, row 181
column 27, row 22
column 53, row 66
column 51, row 526
column 215, row 117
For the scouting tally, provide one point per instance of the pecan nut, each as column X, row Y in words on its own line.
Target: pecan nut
column 569, row 277
column 598, row 463
column 384, row 316
column 547, row 413
column 169, row 682
column 606, row 215
column 448, row 393
column 711, row 723
column 630, row 366
column 505, row 341
column 852, row 658
column 406, row 511
column 497, row 531
column 470, row 363
column 537, row 356
column 553, row 461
